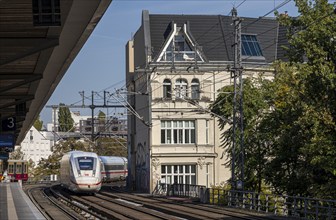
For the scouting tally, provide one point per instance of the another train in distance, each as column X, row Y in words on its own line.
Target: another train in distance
column 81, row 172
column 16, row 170
column 114, row 168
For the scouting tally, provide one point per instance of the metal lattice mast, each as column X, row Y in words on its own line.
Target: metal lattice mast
column 238, row 125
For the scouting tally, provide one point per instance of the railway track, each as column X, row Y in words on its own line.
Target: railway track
column 110, row 203
column 48, row 205
column 184, row 208
column 54, row 206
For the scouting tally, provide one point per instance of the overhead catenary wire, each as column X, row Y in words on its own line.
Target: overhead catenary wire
column 132, row 110
column 279, row 6
column 247, row 57
column 161, row 86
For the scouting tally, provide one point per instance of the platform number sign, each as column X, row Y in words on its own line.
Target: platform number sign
column 9, row 124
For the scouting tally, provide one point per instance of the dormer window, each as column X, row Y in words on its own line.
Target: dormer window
column 250, row 46
column 180, row 43
column 179, row 47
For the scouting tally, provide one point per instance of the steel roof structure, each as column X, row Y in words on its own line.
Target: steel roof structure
column 39, row 39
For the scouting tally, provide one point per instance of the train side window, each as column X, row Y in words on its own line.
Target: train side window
column 18, row 169
column 11, row 168
column 24, row 170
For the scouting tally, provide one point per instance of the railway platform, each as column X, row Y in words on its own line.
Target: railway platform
column 15, row 204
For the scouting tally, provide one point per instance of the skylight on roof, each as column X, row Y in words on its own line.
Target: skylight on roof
column 250, row 45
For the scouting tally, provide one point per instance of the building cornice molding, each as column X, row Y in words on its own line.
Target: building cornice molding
column 213, row 155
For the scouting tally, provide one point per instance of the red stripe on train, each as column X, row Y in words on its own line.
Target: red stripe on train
column 83, row 184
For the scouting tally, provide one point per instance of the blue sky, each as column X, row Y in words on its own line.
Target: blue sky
column 101, row 62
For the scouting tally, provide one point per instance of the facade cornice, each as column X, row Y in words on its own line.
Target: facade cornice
column 184, row 155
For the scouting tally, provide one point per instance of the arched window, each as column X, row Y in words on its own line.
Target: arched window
column 195, row 89
column 181, row 86
column 167, row 88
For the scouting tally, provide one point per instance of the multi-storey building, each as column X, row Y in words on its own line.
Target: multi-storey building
column 35, row 146
column 175, row 66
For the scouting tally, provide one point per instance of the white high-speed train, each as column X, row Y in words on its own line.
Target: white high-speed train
column 114, row 168
column 81, row 172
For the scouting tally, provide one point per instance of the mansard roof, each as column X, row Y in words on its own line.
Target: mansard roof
column 214, row 34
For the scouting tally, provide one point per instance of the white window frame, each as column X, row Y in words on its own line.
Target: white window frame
column 178, row 132
column 207, row 175
column 179, row 173
column 207, row 131
column 181, row 88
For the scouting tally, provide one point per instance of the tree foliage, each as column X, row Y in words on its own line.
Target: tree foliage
column 304, row 116
column 65, row 120
column 290, row 123
column 38, row 124
column 101, row 121
column 256, row 98
column 17, row 154
column 101, row 116
column 114, row 146
column 51, row 165
column 31, row 166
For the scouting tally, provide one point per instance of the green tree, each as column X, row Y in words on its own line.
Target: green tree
column 51, row 165
column 101, row 121
column 256, row 98
column 285, row 165
column 303, row 123
column 295, row 136
column 65, row 120
column 101, row 116
column 31, row 166
column 38, row 124
column 111, row 146
column 17, row 154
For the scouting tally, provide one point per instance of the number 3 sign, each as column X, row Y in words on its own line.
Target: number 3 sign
column 9, row 124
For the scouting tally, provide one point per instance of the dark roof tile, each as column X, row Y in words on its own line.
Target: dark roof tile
column 214, row 33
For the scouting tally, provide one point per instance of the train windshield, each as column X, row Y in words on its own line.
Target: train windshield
column 85, row 163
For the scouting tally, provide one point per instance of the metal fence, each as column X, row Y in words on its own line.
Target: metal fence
column 184, row 190
column 180, row 190
column 281, row 205
column 291, row 206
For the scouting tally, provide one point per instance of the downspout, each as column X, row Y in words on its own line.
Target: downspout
column 214, row 131
column 148, row 59
column 149, row 90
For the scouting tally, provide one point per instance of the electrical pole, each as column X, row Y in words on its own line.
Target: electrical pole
column 92, row 117
column 237, row 75
column 92, row 107
column 54, row 108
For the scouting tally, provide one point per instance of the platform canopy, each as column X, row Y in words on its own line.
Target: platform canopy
column 39, row 39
